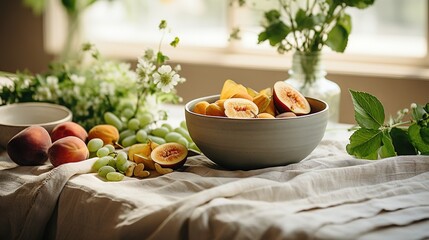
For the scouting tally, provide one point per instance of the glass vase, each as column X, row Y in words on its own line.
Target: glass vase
column 308, row 76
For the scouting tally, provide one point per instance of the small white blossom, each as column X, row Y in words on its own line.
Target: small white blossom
column 78, row 80
column 107, row 88
column 52, row 80
column 166, row 78
column 144, row 69
column 413, row 105
column 26, row 83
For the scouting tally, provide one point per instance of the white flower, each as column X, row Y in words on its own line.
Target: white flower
column 107, row 88
column 144, row 69
column 26, row 83
column 79, row 80
column 52, row 80
column 165, row 78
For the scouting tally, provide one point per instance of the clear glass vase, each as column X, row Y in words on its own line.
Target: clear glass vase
column 308, row 76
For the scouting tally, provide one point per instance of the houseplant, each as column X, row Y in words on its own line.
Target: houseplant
column 305, row 28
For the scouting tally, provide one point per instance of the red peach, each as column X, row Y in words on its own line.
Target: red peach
column 68, row 129
column 66, row 150
column 30, row 146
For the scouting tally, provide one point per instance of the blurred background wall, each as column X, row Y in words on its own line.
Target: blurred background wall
column 21, row 47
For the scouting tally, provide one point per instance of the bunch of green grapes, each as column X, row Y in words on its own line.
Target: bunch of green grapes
column 110, row 164
column 143, row 128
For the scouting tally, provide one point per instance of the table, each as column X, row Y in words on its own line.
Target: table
column 329, row 195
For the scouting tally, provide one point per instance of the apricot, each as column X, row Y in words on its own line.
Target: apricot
column 108, row 133
column 30, row 146
column 66, row 150
column 200, row 107
column 215, row 110
column 242, row 95
column 265, row 115
column 68, row 129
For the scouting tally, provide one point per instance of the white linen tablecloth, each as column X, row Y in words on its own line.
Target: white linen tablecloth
column 329, row 195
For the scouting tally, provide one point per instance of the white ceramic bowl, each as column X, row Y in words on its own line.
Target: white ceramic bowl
column 15, row 117
column 256, row 143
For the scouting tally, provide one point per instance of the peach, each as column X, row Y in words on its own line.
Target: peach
column 108, row 133
column 66, row 150
column 30, row 146
column 68, row 129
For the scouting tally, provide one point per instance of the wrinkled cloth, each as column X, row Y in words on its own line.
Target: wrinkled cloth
column 329, row 195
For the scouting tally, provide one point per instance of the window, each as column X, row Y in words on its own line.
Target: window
column 390, row 31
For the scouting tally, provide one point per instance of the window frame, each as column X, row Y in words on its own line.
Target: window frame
column 235, row 56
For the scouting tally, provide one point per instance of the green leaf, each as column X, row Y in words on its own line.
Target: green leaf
column 427, row 107
column 387, row 150
column 272, row 16
column 175, row 42
column 161, row 58
column 70, row 5
column 274, row 33
column 162, row 24
column 424, row 132
column 364, row 143
column 417, row 139
column 361, row 4
column 346, row 21
column 418, row 112
column 337, row 38
column 401, row 142
column 369, row 112
column 304, row 21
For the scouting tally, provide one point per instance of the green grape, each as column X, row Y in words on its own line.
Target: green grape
column 172, row 136
column 183, row 125
column 128, row 141
column 112, row 163
column 183, row 141
column 112, row 119
column 121, row 158
column 110, row 147
column 126, row 133
column 104, row 170
column 114, row 176
column 168, row 126
column 103, row 161
column 127, row 113
column 125, row 105
column 156, row 139
column 159, row 132
column 145, row 118
column 94, row 144
column 194, row 146
column 104, row 151
column 184, row 133
column 133, row 124
column 141, row 136
column 123, row 167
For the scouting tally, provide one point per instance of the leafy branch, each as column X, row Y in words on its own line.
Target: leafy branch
column 307, row 27
column 374, row 138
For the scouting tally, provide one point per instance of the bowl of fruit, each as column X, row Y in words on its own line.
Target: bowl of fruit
column 245, row 129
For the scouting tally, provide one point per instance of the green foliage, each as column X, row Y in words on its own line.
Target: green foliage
column 376, row 139
column 90, row 85
column 307, row 26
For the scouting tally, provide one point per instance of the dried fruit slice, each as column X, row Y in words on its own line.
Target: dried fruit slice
column 170, row 155
column 288, row 99
column 240, row 108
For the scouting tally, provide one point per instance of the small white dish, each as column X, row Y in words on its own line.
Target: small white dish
column 16, row 117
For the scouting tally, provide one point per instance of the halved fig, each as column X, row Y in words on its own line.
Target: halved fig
column 170, row 155
column 240, row 108
column 288, row 99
